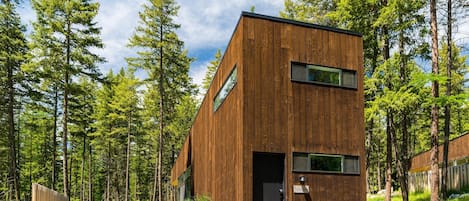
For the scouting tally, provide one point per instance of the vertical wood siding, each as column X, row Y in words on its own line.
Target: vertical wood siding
column 267, row 112
column 282, row 116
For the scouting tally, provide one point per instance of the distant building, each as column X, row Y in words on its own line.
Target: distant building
column 283, row 118
column 458, row 163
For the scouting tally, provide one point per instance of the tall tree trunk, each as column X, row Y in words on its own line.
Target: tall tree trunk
column 83, row 158
column 90, row 171
column 155, row 180
column 389, row 134
column 127, row 177
column 70, row 171
column 460, row 129
column 160, row 145
column 447, row 106
column 13, row 171
column 378, row 175
column 434, row 114
column 65, row 113
column 108, row 172
column 369, row 150
column 401, row 171
column 371, row 147
column 389, row 120
column 54, row 137
column 402, row 154
column 30, row 158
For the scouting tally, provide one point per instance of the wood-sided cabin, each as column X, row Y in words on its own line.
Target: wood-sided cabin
column 283, row 118
column 458, row 166
column 458, row 153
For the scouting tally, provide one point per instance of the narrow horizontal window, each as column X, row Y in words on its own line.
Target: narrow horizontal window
column 228, row 85
column 323, row 75
column 326, row 163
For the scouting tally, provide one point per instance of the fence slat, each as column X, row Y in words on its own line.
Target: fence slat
column 458, row 178
column 41, row 193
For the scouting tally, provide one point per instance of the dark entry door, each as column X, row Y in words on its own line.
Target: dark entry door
column 268, row 172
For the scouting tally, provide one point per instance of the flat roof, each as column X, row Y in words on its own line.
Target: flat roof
column 299, row 23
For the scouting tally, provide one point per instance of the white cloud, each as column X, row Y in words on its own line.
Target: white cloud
column 197, row 74
column 118, row 20
column 210, row 23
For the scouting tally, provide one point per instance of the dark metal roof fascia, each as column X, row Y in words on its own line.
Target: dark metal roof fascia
column 299, row 23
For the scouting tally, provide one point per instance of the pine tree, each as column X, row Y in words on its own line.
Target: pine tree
column 211, row 70
column 82, row 106
column 314, row 11
column 64, row 34
column 449, row 67
column 167, row 65
column 102, row 138
column 124, row 105
column 434, row 180
column 12, row 55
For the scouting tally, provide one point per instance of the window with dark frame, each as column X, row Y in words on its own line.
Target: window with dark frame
column 326, row 163
column 323, row 75
column 228, row 85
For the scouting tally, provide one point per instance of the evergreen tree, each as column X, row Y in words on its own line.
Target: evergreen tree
column 314, row 11
column 211, row 70
column 161, row 54
column 64, row 33
column 117, row 120
column 12, row 55
column 82, row 106
column 102, row 138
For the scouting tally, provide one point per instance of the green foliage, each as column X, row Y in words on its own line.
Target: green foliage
column 117, row 114
column 211, row 70
column 310, row 11
column 424, row 196
column 161, row 55
column 12, row 87
column 49, row 38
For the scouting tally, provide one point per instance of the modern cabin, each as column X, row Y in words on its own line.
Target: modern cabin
column 458, row 154
column 458, row 166
column 283, row 118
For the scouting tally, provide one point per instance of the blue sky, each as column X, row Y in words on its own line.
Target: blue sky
column 206, row 25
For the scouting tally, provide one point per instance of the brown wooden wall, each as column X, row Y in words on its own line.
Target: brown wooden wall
column 216, row 137
column 458, row 149
column 182, row 162
column 282, row 116
column 267, row 112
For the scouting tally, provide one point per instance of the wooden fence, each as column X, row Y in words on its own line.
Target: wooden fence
column 41, row 193
column 458, row 178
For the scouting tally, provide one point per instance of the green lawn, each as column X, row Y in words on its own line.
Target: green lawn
column 413, row 197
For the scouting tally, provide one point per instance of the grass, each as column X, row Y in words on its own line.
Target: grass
column 425, row 196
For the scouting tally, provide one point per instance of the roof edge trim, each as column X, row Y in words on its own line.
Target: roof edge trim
column 299, row 23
